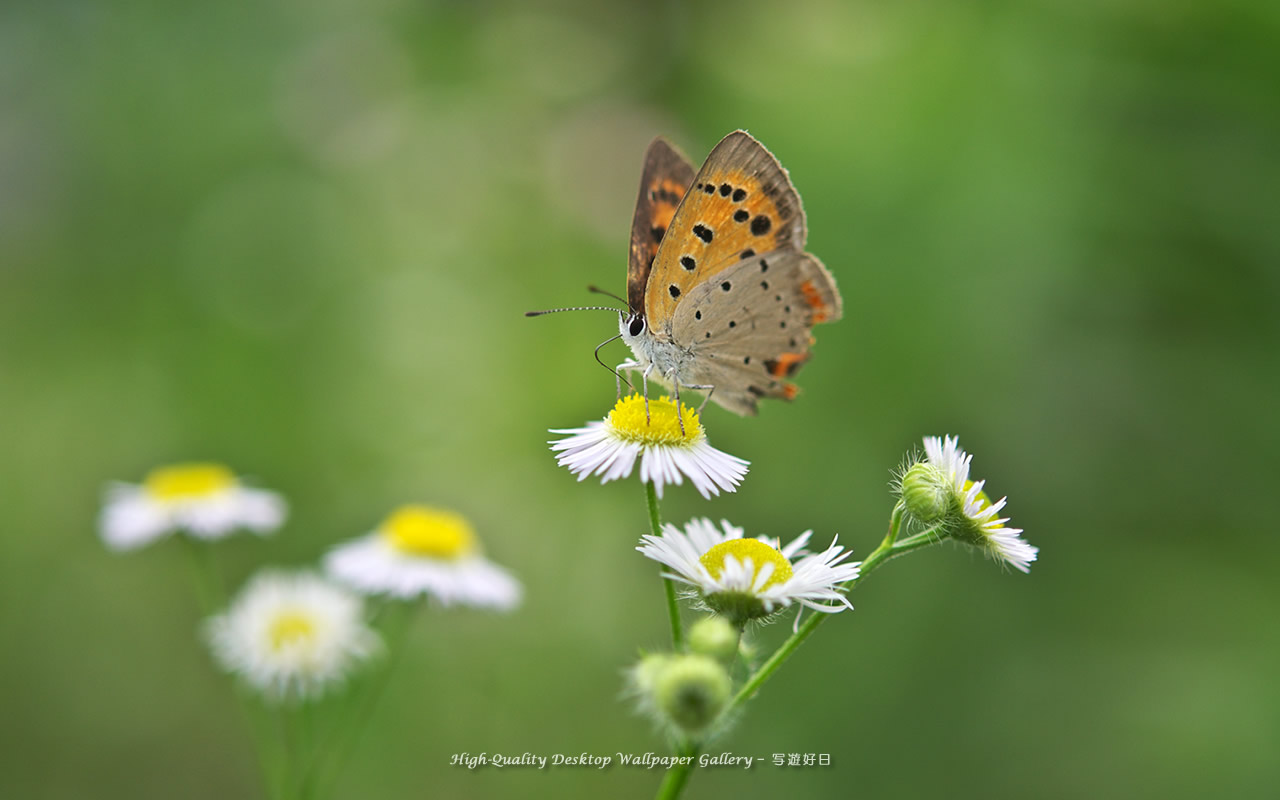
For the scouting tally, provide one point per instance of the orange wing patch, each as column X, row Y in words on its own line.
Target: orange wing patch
column 741, row 204
column 786, row 364
column 816, row 301
column 666, row 178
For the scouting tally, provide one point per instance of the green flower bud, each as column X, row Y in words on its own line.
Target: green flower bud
column 691, row 691
column 644, row 675
column 926, row 492
column 715, row 637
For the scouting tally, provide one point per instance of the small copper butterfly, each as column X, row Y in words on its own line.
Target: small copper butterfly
column 721, row 296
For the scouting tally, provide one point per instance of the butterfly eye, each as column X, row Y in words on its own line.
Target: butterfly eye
column 636, row 327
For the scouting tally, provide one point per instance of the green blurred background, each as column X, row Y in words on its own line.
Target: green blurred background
column 297, row 237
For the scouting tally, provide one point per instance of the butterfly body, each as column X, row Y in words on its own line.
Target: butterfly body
column 721, row 295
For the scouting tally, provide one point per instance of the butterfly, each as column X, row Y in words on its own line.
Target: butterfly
column 721, row 296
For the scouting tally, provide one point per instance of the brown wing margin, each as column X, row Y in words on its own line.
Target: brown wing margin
column 667, row 176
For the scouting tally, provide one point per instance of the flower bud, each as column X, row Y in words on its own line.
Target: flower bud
column 691, row 691
column 714, row 636
column 926, row 492
column 644, row 675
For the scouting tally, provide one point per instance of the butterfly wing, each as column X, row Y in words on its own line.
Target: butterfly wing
column 749, row 327
column 667, row 176
column 740, row 203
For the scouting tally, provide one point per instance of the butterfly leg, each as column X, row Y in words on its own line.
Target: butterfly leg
column 700, row 386
column 628, row 365
column 644, row 379
column 676, row 383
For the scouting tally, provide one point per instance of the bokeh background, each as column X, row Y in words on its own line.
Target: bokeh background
column 298, row 237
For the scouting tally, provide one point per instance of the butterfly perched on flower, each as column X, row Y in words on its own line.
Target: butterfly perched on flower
column 721, row 296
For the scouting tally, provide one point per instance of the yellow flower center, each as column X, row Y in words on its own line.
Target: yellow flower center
column 628, row 420
column 289, row 628
column 431, row 532
column 186, row 481
column 760, row 554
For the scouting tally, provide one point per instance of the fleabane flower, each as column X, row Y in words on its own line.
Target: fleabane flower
column 291, row 636
column 940, row 489
column 204, row 500
column 420, row 550
column 746, row 579
column 668, row 452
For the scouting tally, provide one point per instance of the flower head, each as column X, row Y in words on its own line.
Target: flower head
column 205, row 500
column 971, row 517
column 292, row 635
column 420, row 550
column 744, row 579
column 670, row 448
column 683, row 692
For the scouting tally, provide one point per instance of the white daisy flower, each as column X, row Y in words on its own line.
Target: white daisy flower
column 206, row 501
column 745, row 579
column 979, row 524
column 424, row 551
column 667, row 453
column 292, row 635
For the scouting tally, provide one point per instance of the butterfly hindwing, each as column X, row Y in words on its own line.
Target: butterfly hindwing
column 748, row 327
column 667, row 176
column 740, row 203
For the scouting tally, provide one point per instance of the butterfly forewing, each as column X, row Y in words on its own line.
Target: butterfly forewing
column 740, row 203
column 667, row 176
column 748, row 329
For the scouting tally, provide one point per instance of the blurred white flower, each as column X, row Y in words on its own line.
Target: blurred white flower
column 292, row 635
column 420, row 550
column 204, row 500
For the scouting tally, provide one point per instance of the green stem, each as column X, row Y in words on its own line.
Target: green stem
column 673, row 605
column 673, row 784
column 889, row 548
column 211, row 593
column 321, row 776
column 306, row 750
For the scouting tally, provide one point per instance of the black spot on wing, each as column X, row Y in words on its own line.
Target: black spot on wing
column 674, row 290
column 703, row 232
column 688, row 263
column 741, row 215
column 725, row 189
column 739, row 195
column 657, row 231
column 761, row 225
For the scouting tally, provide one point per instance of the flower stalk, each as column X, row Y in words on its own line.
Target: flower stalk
column 673, row 604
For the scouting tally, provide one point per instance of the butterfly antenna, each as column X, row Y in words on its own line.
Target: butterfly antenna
column 597, row 290
column 575, row 308
column 606, row 366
